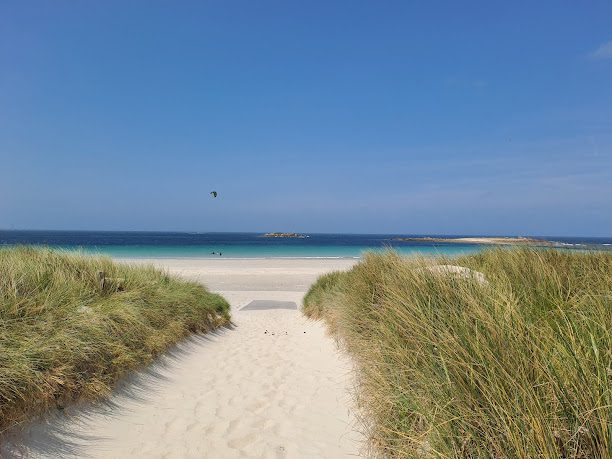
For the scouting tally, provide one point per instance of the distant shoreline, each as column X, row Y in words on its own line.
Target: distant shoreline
column 485, row 240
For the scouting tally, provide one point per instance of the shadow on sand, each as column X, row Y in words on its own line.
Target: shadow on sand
column 60, row 432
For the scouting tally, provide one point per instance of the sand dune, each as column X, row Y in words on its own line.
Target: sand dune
column 272, row 386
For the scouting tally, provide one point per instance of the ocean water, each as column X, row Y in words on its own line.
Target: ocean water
column 121, row 244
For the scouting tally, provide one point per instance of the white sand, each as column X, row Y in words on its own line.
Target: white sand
column 237, row 393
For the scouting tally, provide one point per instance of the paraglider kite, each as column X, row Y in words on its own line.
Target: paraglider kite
column 213, row 194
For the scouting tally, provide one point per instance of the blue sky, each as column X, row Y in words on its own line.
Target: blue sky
column 332, row 116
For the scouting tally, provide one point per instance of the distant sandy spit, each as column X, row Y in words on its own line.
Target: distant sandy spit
column 275, row 385
column 519, row 240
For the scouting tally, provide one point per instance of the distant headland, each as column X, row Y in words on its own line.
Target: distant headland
column 286, row 235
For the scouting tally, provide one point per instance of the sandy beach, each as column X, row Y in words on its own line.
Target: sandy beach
column 274, row 385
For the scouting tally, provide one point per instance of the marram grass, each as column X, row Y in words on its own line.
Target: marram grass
column 62, row 338
column 449, row 367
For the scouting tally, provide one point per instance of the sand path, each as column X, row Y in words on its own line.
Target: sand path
column 273, row 386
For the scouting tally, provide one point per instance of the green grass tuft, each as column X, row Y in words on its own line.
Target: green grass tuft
column 62, row 338
column 517, row 367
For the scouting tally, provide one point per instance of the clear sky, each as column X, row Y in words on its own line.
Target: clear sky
column 453, row 117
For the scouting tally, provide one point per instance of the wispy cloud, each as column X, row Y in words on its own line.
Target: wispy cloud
column 603, row 52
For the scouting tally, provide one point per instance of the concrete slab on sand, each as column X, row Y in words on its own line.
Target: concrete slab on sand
column 262, row 305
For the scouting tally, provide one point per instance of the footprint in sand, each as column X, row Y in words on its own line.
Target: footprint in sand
column 242, row 442
column 256, row 407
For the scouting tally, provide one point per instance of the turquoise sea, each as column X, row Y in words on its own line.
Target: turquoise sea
column 122, row 244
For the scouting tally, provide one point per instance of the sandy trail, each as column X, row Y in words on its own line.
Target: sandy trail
column 273, row 386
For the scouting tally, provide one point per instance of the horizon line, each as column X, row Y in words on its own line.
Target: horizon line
column 302, row 232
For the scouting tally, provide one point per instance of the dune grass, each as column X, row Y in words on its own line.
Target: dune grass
column 63, row 338
column 515, row 367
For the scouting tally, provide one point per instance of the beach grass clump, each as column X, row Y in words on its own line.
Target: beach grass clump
column 448, row 365
column 64, row 337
